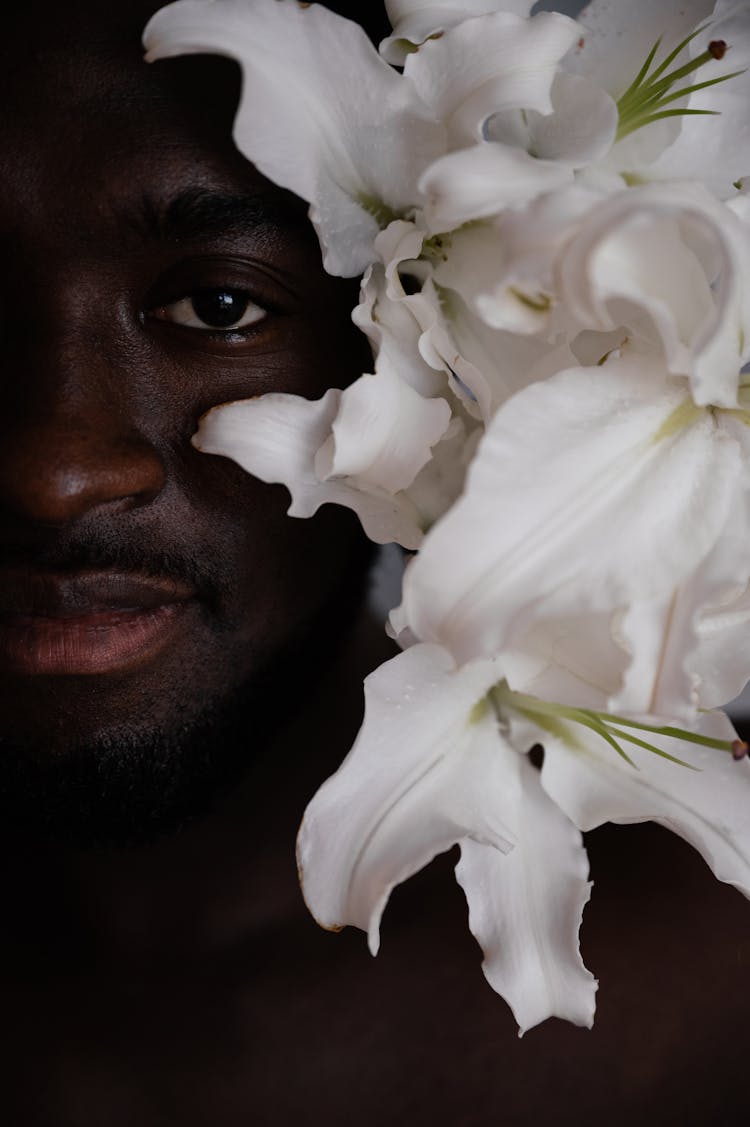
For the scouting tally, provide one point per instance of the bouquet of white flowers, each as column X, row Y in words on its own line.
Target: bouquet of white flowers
column 551, row 224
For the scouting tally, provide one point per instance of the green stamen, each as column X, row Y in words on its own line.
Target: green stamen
column 435, row 249
column 381, row 213
column 540, row 303
column 682, row 417
column 613, row 729
column 478, row 711
column 651, row 91
column 741, row 416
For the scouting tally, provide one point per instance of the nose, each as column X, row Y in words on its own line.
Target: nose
column 71, row 446
column 58, row 470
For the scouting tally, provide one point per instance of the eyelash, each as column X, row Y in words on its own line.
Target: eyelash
column 196, row 306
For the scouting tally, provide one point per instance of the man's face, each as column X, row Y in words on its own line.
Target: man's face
column 149, row 274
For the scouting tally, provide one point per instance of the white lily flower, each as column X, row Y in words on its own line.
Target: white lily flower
column 415, row 21
column 620, row 113
column 485, row 366
column 321, row 113
column 693, row 126
column 594, row 490
column 668, row 264
column 441, row 759
column 430, row 768
column 665, row 266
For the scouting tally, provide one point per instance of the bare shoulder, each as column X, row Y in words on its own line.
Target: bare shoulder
column 295, row 1025
column 418, row 1036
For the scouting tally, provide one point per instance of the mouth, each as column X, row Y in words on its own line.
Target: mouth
column 87, row 623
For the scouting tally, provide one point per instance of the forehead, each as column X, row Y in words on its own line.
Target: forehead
column 82, row 93
column 98, row 139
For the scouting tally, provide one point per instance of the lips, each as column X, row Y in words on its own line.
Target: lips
column 86, row 623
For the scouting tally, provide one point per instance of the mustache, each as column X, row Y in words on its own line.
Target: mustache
column 133, row 553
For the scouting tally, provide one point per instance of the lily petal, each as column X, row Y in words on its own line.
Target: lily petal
column 516, row 282
column 718, row 648
column 667, row 266
column 423, row 774
column 277, row 437
column 674, row 256
column 708, row 806
column 587, row 493
column 400, row 246
column 525, row 909
column 383, row 432
column 395, row 333
column 482, row 180
column 415, row 21
column 493, row 363
column 580, row 129
column 691, row 650
column 439, row 484
column 315, row 95
column 489, row 64
column 579, row 660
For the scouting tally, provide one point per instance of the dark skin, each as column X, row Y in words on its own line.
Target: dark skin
column 181, row 981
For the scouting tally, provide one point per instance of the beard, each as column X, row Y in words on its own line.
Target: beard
column 131, row 786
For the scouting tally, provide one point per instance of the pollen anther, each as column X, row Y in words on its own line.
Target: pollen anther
column 739, row 749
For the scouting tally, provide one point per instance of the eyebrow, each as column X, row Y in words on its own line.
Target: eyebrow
column 199, row 213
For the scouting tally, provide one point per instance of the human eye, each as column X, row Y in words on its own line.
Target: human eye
column 217, row 309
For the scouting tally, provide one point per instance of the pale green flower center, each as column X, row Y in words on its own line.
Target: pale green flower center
column 681, row 418
column 653, row 90
column 435, row 249
column 380, row 211
column 689, row 412
column 538, row 302
column 561, row 720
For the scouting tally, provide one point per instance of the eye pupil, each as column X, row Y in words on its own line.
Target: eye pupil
column 220, row 308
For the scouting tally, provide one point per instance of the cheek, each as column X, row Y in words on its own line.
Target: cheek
column 274, row 576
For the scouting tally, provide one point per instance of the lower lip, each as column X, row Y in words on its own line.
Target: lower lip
column 93, row 643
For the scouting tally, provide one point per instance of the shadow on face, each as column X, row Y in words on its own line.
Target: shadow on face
column 151, row 273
